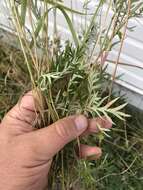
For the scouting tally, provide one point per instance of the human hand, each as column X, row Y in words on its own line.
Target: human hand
column 26, row 154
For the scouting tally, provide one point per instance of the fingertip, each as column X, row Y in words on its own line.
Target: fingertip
column 103, row 122
column 27, row 101
column 90, row 153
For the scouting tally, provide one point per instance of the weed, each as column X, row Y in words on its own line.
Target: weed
column 72, row 79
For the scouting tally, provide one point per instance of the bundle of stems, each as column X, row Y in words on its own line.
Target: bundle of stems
column 69, row 77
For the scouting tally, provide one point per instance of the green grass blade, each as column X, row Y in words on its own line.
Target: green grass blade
column 86, row 36
column 24, row 5
column 60, row 5
column 40, row 24
column 71, row 27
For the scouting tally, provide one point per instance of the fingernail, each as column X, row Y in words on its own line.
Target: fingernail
column 81, row 123
column 94, row 157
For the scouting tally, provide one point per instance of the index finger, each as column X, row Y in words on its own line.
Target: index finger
column 93, row 124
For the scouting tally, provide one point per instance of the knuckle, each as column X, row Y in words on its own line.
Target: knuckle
column 64, row 131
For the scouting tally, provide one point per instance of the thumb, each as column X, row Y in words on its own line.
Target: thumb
column 48, row 141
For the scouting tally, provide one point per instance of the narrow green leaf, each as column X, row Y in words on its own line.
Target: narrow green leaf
column 120, row 107
column 123, row 114
column 24, row 5
column 108, row 105
column 60, row 5
column 39, row 26
column 101, row 102
column 71, row 27
column 118, row 116
column 91, row 23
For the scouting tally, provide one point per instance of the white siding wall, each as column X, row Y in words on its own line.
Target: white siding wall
column 132, row 53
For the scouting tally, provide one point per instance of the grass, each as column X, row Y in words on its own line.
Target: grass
column 72, row 78
column 13, row 77
column 121, row 166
